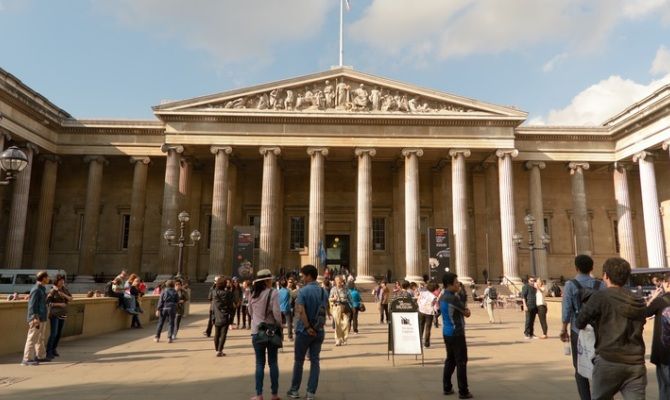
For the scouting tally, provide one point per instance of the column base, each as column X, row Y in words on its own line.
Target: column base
column 84, row 279
column 365, row 279
column 466, row 280
column 210, row 278
column 163, row 277
column 414, row 278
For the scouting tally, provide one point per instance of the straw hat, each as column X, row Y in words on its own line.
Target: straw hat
column 262, row 275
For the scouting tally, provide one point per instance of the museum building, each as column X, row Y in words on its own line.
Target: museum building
column 337, row 168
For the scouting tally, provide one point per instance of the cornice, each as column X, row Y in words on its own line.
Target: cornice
column 113, row 127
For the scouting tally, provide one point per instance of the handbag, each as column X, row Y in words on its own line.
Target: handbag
column 361, row 308
column 269, row 334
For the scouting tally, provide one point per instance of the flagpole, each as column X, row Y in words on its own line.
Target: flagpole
column 341, row 24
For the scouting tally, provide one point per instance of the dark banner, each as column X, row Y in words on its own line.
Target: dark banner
column 243, row 252
column 439, row 253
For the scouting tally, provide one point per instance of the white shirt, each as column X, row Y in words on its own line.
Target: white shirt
column 426, row 302
column 539, row 298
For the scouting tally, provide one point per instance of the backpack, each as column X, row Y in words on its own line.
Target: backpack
column 665, row 325
column 493, row 293
column 108, row 289
column 584, row 293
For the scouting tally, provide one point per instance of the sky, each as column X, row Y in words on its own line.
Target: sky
column 565, row 62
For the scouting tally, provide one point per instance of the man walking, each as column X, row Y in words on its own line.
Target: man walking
column 37, row 316
column 659, row 306
column 528, row 295
column 618, row 317
column 285, row 307
column 453, row 330
column 311, row 308
column 571, row 304
column 167, row 310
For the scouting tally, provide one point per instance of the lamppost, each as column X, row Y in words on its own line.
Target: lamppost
column 12, row 161
column 529, row 220
column 171, row 236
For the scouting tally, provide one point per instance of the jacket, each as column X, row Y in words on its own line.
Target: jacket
column 168, row 300
column 223, row 305
column 617, row 317
column 37, row 305
column 451, row 307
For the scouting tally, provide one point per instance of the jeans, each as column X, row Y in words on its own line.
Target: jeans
column 354, row 319
column 663, row 377
column 609, row 378
column 583, row 384
column 245, row 316
column 425, row 324
column 542, row 314
column 210, row 323
column 54, row 335
column 260, row 350
column 530, row 322
column 457, row 359
column 383, row 310
column 304, row 343
column 220, row 334
column 177, row 323
column 168, row 314
column 288, row 316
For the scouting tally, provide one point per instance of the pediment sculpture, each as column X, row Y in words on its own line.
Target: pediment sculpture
column 338, row 96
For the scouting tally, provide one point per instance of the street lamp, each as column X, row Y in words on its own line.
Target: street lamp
column 171, row 236
column 529, row 220
column 12, row 161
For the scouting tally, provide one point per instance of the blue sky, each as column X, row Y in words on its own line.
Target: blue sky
column 567, row 62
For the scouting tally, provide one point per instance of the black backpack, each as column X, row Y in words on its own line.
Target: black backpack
column 584, row 293
column 493, row 293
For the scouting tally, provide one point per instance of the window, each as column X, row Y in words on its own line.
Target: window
column 297, row 241
column 125, row 230
column 255, row 221
column 379, row 233
column 615, row 227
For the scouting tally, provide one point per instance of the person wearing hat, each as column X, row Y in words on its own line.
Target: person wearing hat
column 223, row 305
column 264, row 307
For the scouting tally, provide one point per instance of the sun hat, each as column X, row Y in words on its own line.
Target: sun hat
column 262, row 275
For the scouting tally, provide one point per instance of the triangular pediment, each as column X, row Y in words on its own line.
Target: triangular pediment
column 338, row 91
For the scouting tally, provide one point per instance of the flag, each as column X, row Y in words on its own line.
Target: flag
column 322, row 253
column 347, row 4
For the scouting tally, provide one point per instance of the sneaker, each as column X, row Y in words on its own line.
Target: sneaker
column 55, row 353
column 46, row 359
column 527, row 337
column 310, row 396
column 544, row 337
column 29, row 362
column 219, row 354
column 157, row 339
column 534, row 337
column 448, row 392
column 426, row 345
column 169, row 340
column 467, row 395
column 293, row 394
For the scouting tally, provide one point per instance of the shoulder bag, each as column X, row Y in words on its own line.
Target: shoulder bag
column 268, row 334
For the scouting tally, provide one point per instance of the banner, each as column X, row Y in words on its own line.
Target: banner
column 243, row 252
column 439, row 253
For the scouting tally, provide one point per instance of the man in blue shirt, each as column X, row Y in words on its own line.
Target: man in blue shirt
column 570, row 307
column 311, row 309
column 285, row 307
column 37, row 314
column 454, row 312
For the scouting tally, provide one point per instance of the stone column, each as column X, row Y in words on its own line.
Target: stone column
column 45, row 212
column 580, row 216
column 4, row 137
column 507, row 219
column 493, row 242
column 16, row 228
column 624, row 215
column 89, row 236
column 364, row 215
column 650, row 207
column 316, row 205
column 185, row 172
column 167, row 254
column 137, row 211
column 217, row 245
column 269, row 198
column 537, row 211
column 412, row 215
column 460, row 212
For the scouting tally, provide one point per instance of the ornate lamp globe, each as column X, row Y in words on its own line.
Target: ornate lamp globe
column 13, row 160
column 184, row 216
column 529, row 220
column 170, row 235
column 195, row 235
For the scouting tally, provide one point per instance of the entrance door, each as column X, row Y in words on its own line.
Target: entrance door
column 337, row 252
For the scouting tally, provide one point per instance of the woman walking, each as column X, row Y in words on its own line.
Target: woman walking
column 427, row 306
column 340, row 304
column 57, row 300
column 264, row 308
column 223, row 305
column 135, row 293
column 540, row 295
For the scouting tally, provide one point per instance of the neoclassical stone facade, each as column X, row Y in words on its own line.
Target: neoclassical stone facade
column 339, row 164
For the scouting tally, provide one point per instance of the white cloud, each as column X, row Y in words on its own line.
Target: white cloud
column 459, row 28
column 661, row 64
column 230, row 31
column 551, row 64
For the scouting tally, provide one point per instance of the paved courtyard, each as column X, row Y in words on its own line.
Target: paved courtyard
column 129, row 364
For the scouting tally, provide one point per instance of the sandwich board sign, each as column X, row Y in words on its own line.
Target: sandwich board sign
column 404, row 336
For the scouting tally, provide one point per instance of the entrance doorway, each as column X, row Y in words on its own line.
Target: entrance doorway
column 337, row 252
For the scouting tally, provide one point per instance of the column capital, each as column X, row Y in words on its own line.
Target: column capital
column 666, row 145
column 359, row 151
column 320, row 150
column 501, row 153
column 532, row 164
column 226, row 149
column 50, row 157
column 574, row 166
column 144, row 160
column 455, row 152
column 33, row 147
column 166, row 148
column 622, row 166
column 266, row 150
column 7, row 135
column 100, row 159
column 409, row 151
column 644, row 156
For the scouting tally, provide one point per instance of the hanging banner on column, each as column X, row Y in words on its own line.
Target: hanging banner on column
column 243, row 252
column 439, row 253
